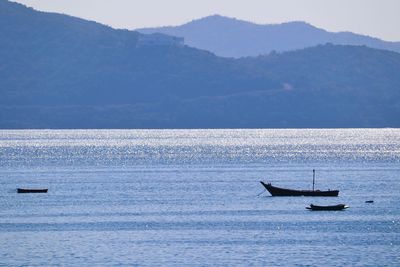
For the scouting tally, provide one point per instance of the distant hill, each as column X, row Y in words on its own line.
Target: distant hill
column 229, row 37
column 58, row 71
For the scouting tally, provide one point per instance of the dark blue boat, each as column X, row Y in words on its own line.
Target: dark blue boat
column 31, row 190
column 284, row 192
column 333, row 207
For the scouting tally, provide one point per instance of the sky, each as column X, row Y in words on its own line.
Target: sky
column 377, row 18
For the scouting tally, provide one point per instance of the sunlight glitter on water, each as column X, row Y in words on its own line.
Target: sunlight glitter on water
column 199, row 146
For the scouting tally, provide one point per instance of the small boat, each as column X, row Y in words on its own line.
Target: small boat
column 333, row 207
column 284, row 192
column 369, row 201
column 32, row 190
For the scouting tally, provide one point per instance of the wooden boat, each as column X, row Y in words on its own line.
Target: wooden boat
column 284, row 192
column 31, row 190
column 334, row 207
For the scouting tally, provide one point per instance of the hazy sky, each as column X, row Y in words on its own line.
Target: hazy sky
column 378, row 18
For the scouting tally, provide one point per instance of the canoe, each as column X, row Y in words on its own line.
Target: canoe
column 32, row 190
column 333, row 207
column 284, row 192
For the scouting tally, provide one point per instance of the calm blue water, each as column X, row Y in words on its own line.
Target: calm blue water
column 191, row 197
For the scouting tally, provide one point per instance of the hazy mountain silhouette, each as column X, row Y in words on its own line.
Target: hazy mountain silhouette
column 57, row 71
column 230, row 37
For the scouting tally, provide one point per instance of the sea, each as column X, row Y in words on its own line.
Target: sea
column 194, row 198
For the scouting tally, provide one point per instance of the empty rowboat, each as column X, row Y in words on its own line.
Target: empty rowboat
column 333, row 207
column 32, row 190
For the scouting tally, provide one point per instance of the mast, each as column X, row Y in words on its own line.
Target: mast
column 313, row 179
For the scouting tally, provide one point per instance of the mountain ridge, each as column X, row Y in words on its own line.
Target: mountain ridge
column 230, row 37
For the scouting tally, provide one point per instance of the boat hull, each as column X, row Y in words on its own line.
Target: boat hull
column 334, row 207
column 284, row 192
column 26, row 190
